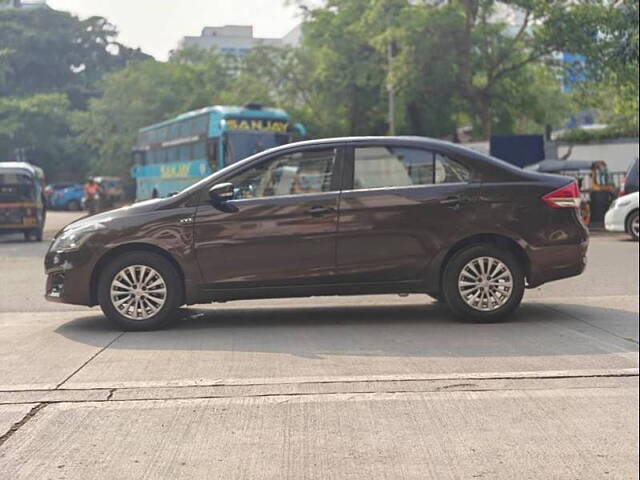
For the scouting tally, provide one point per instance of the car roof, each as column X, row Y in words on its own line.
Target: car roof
column 422, row 142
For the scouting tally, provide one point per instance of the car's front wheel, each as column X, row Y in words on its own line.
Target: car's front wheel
column 483, row 283
column 73, row 205
column 140, row 291
column 34, row 234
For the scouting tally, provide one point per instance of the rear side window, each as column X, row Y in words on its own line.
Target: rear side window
column 449, row 171
column 386, row 166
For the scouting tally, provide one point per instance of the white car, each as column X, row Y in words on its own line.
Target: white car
column 623, row 215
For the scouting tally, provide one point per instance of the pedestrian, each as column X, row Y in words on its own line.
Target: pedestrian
column 91, row 195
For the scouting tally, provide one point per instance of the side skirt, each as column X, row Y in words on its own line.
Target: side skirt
column 207, row 295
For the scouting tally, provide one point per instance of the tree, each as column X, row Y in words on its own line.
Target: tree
column 348, row 72
column 49, row 51
column 606, row 35
column 51, row 63
column 142, row 94
column 40, row 126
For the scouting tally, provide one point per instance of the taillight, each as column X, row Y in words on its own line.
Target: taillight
column 622, row 182
column 564, row 197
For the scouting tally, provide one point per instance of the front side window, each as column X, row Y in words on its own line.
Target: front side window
column 309, row 171
column 387, row 166
column 240, row 145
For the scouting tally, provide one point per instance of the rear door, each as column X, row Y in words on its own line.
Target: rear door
column 279, row 229
column 400, row 206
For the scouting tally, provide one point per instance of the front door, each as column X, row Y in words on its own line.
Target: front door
column 280, row 227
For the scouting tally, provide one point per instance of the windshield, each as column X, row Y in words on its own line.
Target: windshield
column 240, row 145
column 16, row 187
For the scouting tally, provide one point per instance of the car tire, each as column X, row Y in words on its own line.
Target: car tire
column 143, row 305
column 483, row 283
column 632, row 225
column 73, row 205
column 35, row 235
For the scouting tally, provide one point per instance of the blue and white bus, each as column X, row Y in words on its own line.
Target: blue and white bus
column 174, row 154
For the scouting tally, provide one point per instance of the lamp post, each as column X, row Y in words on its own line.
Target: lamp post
column 391, row 91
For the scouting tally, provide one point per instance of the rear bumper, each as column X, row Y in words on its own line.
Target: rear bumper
column 556, row 262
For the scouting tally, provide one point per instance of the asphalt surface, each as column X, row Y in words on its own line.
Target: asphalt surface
column 359, row 387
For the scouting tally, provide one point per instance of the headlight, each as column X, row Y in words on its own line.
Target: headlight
column 72, row 239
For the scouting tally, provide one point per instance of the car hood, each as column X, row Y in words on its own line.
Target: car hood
column 105, row 217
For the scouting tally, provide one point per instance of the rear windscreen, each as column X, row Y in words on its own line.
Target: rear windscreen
column 16, row 187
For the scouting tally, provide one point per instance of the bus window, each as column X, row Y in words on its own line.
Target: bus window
column 172, row 154
column 201, row 124
column 191, row 127
column 198, row 151
column 185, row 153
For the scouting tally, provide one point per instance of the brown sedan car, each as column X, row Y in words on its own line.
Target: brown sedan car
column 344, row 216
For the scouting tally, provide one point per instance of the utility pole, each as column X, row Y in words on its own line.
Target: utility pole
column 391, row 91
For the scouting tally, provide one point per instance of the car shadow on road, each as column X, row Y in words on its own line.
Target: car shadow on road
column 537, row 329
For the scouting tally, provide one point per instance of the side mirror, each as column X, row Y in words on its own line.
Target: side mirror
column 221, row 192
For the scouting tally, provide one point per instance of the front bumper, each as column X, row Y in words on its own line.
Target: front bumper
column 69, row 278
column 614, row 220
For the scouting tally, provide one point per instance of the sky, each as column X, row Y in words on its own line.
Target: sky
column 156, row 26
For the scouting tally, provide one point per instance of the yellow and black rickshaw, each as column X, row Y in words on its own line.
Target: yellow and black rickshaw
column 22, row 206
column 598, row 186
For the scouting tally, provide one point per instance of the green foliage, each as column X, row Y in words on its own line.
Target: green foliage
column 50, row 66
column 49, row 51
column 74, row 95
column 580, row 135
column 145, row 93
column 40, row 124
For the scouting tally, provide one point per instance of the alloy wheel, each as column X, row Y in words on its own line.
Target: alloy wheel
column 485, row 284
column 138, row 292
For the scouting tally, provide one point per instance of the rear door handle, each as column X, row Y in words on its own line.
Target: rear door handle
column 318, row 210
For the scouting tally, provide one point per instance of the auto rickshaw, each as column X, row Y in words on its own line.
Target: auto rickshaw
column 22, row 206
column 598, row 186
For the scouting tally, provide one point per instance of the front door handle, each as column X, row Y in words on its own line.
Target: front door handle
column 318, row 210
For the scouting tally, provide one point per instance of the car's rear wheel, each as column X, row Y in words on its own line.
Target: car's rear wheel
column 483, row 283
column 632, row 226
column 140, row 291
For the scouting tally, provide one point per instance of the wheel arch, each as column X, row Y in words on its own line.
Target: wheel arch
column 487, row 238
column 627, row 220
column 127, row 248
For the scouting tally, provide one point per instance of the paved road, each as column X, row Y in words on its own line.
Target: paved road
column 363, row 387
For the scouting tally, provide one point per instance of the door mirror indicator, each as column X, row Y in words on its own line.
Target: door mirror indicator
column 221, row 192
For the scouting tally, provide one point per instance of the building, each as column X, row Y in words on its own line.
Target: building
column 236, row 40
